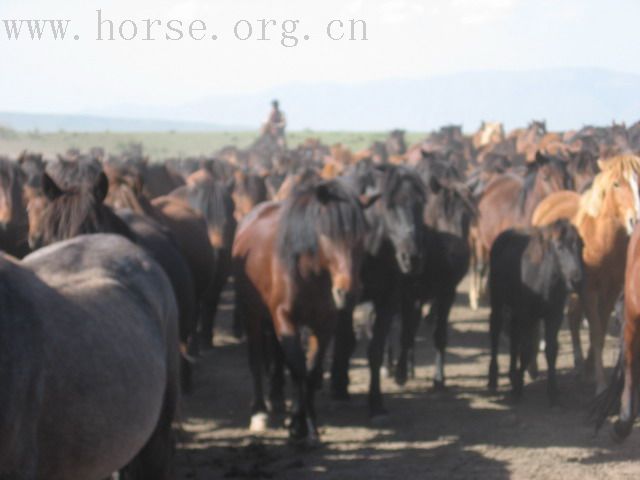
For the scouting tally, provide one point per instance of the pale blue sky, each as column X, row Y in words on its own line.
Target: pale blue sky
column 408, row 39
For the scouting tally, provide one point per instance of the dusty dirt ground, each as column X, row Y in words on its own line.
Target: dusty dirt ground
column 465, row 432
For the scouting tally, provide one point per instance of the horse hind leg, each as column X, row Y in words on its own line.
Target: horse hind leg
column 155, row 460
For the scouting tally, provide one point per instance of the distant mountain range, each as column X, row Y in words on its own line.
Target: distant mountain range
column 98, row 123
column 567, row 98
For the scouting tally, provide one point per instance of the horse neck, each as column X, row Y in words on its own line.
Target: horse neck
column 605, row 239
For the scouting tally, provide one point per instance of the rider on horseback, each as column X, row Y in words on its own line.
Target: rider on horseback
column 276, row 125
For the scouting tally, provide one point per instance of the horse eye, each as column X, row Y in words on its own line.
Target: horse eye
column 616, row 184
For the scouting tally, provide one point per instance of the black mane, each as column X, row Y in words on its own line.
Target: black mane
column 326, row 208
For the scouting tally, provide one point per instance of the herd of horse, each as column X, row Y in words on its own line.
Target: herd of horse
column 114, row 267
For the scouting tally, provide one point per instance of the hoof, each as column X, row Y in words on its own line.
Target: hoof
column 620, row 431
column 340, row 395
column 400, row 377
column 259, row 422
column 308, row 442
column 439, row 386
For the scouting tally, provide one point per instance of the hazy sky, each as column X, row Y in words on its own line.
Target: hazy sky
column 407, row 38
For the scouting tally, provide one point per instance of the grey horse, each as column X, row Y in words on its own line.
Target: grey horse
column 89, row 377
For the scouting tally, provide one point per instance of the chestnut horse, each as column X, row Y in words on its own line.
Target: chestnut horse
column 605, row 217
column 295, row 265
column 625, row 382
column 508, row 202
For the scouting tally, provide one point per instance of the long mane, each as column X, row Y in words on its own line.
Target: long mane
column 615, row 169
column 324, row 209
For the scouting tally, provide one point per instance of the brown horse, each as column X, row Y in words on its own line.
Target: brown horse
column 295, row 265
column 508, row 202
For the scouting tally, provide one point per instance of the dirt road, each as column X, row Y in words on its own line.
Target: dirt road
column 464, row 432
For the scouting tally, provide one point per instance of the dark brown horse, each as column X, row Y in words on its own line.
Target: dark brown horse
column 187, row 227
column 295, row 265
column 14, row 224
column 509, row 202
column 57, row 214
column 249, row 190
column 213, row 200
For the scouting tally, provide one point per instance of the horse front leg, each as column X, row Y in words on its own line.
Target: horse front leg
column 343, row 347
column 294, row 357
column 441, row 308
column 315, row 356
column 410, row 321
column 551, row 328
column 382, row 323
column 574, row 316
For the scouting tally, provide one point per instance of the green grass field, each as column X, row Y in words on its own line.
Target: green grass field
column 161, row 145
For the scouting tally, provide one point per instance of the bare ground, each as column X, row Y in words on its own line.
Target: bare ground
column 465, row 432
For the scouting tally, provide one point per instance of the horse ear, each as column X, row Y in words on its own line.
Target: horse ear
column 50, row 188
column 101, row 188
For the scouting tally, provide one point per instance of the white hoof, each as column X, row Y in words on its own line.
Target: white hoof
column 259, row 422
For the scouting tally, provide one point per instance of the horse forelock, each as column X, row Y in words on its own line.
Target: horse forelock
column 306, row 217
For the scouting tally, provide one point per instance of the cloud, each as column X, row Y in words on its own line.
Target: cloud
column 482, row 11
column 399, row 11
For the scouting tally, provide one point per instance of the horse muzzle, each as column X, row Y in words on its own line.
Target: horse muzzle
column 339, row 297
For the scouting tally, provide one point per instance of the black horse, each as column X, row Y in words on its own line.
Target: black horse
column 449, row 212
column 393, row 253
column 531, row 274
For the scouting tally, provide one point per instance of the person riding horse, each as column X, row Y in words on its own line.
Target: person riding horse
column 276, row 124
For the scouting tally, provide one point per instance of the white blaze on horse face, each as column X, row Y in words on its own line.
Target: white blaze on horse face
column 631, row 222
